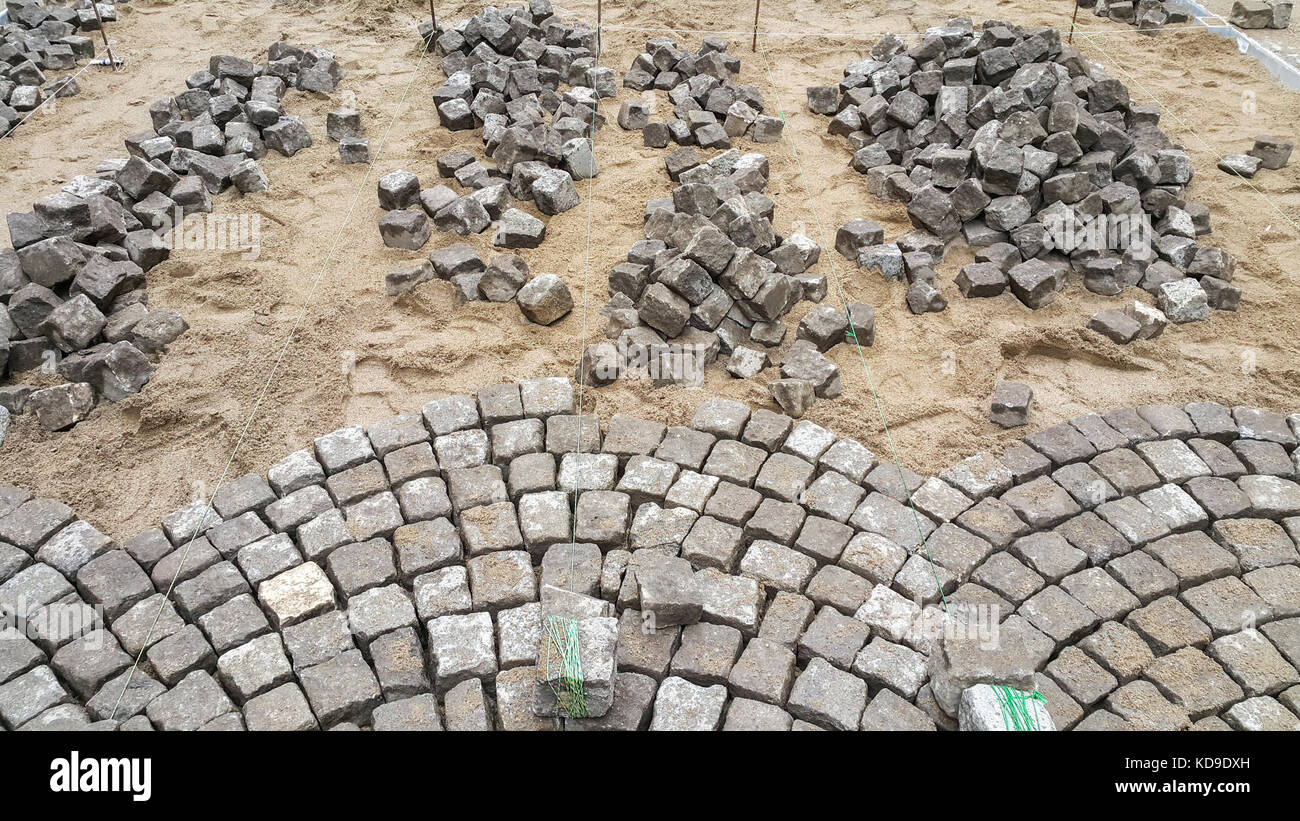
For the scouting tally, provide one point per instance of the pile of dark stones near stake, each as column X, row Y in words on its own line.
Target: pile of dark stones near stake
column 1016, row 142
column 504, row 69
column 40, row 39
column 713, row 279
column 72, row 289
column 709, row 107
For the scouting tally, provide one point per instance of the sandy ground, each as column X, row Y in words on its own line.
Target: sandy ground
column 1283, row 42
column 234, row 384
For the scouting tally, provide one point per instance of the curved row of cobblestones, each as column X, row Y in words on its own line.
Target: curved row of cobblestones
column 1139, row 569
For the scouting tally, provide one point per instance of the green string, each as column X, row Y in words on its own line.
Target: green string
column 568, row 686
column 1018, row 711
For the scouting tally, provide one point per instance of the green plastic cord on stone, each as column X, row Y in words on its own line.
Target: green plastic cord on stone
column 570, row 690
column 1018, row 711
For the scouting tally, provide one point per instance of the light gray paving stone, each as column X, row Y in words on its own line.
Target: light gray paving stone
column 256, row 667
column 318, row 639
column 979, row 476
column 692, row 490
column 1167, row 625
column 1172, row 460
column 994, row 521
column 777, row 566
column 828, row 697
column 462, row 647
column 442, row 592
column 1100, row 593
column 833, row 636
column 888, row 711
column 296, row 594
column 1261, row 713
column 1142, row 705
column 1255, row 542
column 883, row 664
column 426, row 546
column 1279, row 586
column 653, row 526
column 874, row 557
column 341, row 689
column 734, row 601
column 284, row 708
column 1220, row 458
column 490, row 528
column 1227, row 605
column 399, row 663
column 1059, row 615
column 180, row 654
column 680, row 706
column 745, row 714
column 1049, row 554
column 380, row 610
column 192, row 703
column 1194, row 682
column 880, row 514
column 1147, row 578
column 501, row 579
column 1254, row 663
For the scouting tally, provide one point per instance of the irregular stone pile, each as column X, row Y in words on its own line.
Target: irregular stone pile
column 1015, row 142
column 1261, row 14
column 504, row 68
column 711, row 278
column 543, row 299
column 72, row 290
column 1148, row 15
column 1272, row 153
column 1138, row 569
column 40, row 39
column 710, row 107
column 489, row 204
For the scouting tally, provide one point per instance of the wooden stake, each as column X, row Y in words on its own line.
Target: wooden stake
column 433, row 18
column 104, row 34
column 1073, row 17
column 754, row 45
column 599, row 12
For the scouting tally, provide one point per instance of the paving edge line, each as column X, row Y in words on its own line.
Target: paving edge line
column 1288, row 74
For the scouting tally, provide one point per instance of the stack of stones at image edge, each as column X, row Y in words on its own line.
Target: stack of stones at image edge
column 1017, row 143
column 713, row 279
column 72, row 289
column 503, row 561
column 504, row 70
column 1150, row 16
column 709, row 107
column 37, row 40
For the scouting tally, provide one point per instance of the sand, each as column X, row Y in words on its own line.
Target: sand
column 234, row 394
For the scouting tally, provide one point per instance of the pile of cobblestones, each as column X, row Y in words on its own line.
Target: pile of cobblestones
column 72, row 290
column 1149, row 16
column 710, row 108
column 711, row 278
column 504, row 67
column 542, row 298
column 1138, row 569
column 1014, row 141
column 38, row 39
